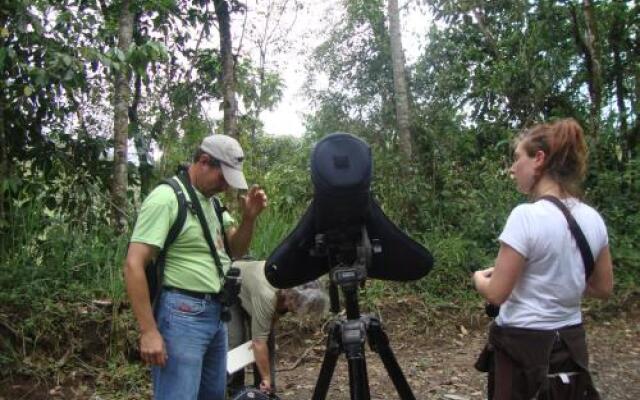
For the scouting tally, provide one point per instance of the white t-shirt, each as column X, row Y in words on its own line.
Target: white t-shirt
column 548, row 294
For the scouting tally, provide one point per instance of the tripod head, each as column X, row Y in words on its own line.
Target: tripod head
column 349, row 254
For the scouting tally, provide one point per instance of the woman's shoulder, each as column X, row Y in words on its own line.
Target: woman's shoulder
column 534, row 212
column 583, row 211
column 541, row 210
column 527, row 210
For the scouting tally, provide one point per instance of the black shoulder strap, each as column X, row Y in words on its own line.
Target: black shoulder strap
column 175, row 229
column 585, row 250
column 184, row 178
column 220, row 209
column 173, row 234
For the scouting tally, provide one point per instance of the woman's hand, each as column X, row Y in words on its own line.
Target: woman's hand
column 482, row 277
column 495, row 284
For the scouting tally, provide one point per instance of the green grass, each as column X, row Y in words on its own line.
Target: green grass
column 271, row 229
column 52, row 269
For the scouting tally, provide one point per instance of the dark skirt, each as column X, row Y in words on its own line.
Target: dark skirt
column 525, row 364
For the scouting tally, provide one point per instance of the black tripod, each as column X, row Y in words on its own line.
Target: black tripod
column 348, row 334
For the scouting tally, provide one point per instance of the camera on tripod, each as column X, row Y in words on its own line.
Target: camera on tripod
column 345, row 234
column 230, row 292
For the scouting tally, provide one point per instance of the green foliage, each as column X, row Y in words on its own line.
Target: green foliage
column 272, row 228
column 356, row 59
column 60, row 256
column 280, row 165
column 617, row 196
column 258, row 89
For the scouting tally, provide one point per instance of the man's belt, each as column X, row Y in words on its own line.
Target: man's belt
column 191, row 293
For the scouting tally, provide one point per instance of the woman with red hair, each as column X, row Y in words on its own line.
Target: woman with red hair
column 537, row 346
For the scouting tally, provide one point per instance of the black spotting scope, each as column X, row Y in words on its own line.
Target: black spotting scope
column 341, row 214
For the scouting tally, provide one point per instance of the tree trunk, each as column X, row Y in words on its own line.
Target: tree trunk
column 141, row 142
column 121, row 96
column 230, row 105
column 4, row 164
column 263, row 48
column 401, row 94
column 385, row 90
column 633, row 138
column 615, row 38
column 588, row 45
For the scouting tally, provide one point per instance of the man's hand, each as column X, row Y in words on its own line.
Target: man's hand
column 261, row 354
column 265, row 386
column 152, row 350
column 253, row 203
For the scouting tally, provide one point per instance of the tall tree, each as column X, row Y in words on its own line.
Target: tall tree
column 141, row 141
column 401, row 94
column 230, row 104
column 616, row 38
column 4, row 152
column 121, row 99
column 589, row 46
column 4, row 162
column 631, row 13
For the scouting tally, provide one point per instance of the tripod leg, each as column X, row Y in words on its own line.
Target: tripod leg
column 380, row 343
column 358, row 380
column 353, row 338
column 329, row 362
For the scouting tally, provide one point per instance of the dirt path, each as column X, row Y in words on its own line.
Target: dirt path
column 435, row 354
column 438, row 363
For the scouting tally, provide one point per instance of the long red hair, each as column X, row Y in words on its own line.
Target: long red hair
column 565, row 152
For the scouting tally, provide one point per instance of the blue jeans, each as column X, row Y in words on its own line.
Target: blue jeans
column 196, row 343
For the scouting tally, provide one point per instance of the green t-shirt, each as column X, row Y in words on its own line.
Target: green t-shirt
column 258, row 297
column 189, row 263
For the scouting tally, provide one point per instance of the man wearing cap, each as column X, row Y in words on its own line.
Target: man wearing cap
column 186, row 342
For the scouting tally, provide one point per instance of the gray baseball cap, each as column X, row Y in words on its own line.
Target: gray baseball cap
column 227, row 150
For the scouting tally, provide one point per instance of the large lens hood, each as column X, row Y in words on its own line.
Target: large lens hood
column 341, row 171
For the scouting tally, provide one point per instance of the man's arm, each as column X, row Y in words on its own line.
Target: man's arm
column 152, row 348
column 261, row 354
column 252, row 205
column 240, row 238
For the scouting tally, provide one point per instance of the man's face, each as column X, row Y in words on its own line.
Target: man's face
column 210, row 179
